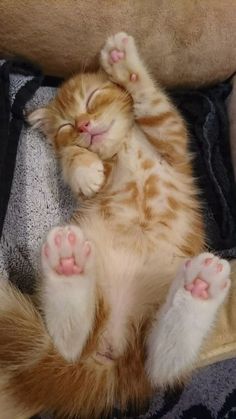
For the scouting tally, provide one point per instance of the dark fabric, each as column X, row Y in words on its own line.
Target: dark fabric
column 206, row 114
column 11, row 121
column 211, row 394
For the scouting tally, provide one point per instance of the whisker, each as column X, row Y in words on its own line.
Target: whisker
column 84, row 65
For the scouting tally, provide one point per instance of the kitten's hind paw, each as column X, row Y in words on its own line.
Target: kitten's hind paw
column 65, row 252
column 68, row 289
column 207, row 277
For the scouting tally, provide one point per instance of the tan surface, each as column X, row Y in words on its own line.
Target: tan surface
column 183, row 41
column 222, row 342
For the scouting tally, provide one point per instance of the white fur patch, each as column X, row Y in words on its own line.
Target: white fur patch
column 88, row 179
column 183, row 322
column 68, row 301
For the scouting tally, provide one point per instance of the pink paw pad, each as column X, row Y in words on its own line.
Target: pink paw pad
column 224, row 285
column 206, row 276
column 116, row 55
column 187, row 263
column 133, row 77
column 46, row 250
column 65, row 251
column 68, row 267
column 58, row 240
column 208, row 261
column 219, row 267
column 72, row 238
column 198, row 288
column 87, row 249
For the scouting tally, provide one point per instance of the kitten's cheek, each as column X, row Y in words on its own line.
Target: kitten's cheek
column 64, row 136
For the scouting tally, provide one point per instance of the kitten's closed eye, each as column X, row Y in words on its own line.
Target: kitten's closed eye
column 91, row 96
column 66, row 125
column 99, row 91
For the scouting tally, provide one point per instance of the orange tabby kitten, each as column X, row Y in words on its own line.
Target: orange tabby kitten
column 126, row 296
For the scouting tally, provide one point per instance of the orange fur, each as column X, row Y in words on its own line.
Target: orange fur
column 146, row 208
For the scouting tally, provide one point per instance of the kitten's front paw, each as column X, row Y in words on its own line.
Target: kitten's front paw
column 120, row 59
column 65, row 253
column 88, row 180
column 207, row 277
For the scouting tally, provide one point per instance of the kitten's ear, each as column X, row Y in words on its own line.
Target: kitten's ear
column 40, row 119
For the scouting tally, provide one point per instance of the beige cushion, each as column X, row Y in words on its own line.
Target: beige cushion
column 184, row 42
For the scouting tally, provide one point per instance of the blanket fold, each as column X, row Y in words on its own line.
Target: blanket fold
column 11, row 121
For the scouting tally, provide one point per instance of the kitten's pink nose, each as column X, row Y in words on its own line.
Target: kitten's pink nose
column 83, row 126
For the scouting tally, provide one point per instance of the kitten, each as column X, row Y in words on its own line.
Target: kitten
column 126, row 294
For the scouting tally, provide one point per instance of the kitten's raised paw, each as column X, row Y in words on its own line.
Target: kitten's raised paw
column 120, row 59
column 65, row 252
column 207, row 276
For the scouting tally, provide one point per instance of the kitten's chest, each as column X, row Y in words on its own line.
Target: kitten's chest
column 139, row 194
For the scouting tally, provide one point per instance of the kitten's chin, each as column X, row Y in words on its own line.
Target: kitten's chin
column 107, row 148
column 104, row 152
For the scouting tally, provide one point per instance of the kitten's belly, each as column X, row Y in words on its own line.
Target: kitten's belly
column 140, row 225
column 132, row 282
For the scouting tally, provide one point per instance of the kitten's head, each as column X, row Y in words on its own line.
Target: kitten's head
column 88, row 111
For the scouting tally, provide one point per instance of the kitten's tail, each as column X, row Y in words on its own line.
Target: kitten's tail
column 23, row 344
column 35, row 378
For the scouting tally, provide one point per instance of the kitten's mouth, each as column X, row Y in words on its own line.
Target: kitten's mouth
column 96, row 135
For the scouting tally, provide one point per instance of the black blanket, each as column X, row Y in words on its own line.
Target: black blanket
column 205, row 112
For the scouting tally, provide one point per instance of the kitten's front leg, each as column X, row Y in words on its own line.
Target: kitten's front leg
column 187, row 316
column 153, row 111
column 121, row 61
column 82, row 170
column 68, row 289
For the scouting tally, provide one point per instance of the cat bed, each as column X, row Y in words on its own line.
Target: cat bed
column 184, row 42
column 36, row 200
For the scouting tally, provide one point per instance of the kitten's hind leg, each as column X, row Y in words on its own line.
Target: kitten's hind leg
column 68, row 289
column 188, row 314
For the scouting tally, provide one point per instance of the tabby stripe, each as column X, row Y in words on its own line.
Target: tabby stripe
column 151, row 121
